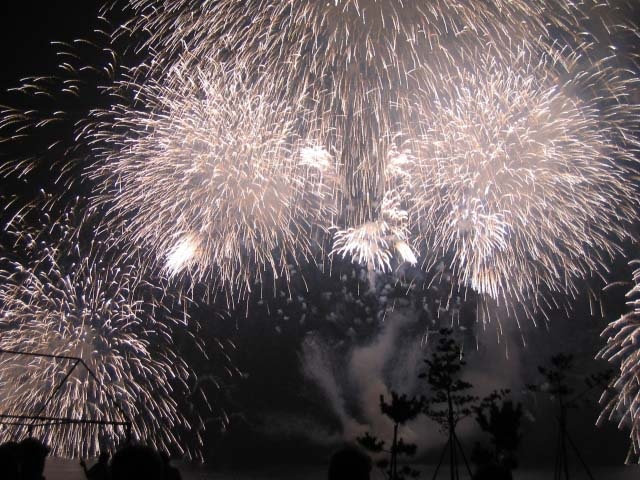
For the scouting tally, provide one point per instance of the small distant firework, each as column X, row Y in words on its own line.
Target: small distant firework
column 367, row 244
column 61, row 294
column 212, row 177
column 622, row 399
column 522, row 181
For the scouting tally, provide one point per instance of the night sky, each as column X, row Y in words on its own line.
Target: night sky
column 30, row 27
column 280, row 397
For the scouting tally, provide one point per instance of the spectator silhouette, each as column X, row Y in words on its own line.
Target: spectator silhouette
column 10, row 461
column 170, row 472
column 493, row 472
column 349, row 463
column 34, row 454
column 100, row 471
column 137, row 462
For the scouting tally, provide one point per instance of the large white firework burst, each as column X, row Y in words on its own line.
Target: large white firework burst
column 61, row 294
column 356, row 62
column 212, row 176
column 622, row 399
column 489, row 100
column 523, row 173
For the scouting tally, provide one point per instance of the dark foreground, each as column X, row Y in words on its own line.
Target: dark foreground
column 59, row 469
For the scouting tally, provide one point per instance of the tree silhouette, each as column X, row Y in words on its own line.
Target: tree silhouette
column 401, row 410
column 501, row 419
column 558, row 387
column 448, row 403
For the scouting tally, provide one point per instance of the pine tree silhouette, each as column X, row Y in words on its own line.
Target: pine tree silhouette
column 448, row 403
column 558, row 387
column 401, row 410
column 501, row 419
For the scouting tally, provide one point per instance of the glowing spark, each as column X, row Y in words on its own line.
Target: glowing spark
column 183, row 255
column 316, row 157
column 405, row 252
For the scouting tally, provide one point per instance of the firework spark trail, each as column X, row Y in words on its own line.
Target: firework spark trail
column 521, row 178
column 355, row 62
column 622, row 400
column 213, row 177
column 41, row 117
column 60, row 295
column 373, row 243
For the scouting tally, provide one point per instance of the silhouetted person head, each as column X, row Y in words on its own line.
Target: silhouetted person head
column 10, row 461
column 104, row 457
column 349, row 463
column 34, row 454
column 100, row 470
column 137, row 462
column 493, row 472
column 170, row 472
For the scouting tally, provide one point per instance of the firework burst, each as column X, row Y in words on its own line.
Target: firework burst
column 212, row 177
column 245, row 126
column 354, row 62
column 61, row 295
column 522, row 179
column 622, row 399
column 488, row 99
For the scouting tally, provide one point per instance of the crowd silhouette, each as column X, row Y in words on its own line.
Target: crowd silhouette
column 26, row 460
column 349, row 463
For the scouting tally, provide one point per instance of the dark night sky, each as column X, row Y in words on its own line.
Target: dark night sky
column 29, row 27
